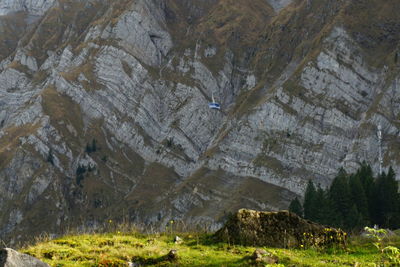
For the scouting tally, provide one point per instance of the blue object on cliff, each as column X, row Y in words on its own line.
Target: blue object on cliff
column 213, row 104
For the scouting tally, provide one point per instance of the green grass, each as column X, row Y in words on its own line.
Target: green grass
column 116, row 249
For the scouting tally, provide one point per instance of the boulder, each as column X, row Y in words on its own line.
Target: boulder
column 12, row 258
column 172, row 255
column 178, row 240
column 277, row 229
column 264, row 257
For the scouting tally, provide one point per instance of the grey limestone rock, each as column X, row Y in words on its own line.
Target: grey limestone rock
column 34, row 7
column 141, row 34
column 12, row 258
column 25, row 60
column 279, row 4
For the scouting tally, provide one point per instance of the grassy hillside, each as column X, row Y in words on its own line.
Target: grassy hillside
column 116, row 249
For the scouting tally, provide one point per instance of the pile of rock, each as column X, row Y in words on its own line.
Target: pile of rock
column 277, row 229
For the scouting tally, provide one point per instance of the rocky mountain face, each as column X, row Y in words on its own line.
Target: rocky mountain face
column 104, row 106
column 32, row 7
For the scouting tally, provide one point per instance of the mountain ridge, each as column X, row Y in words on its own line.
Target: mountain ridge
column 302, row 93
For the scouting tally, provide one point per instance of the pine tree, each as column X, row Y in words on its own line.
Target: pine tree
column 377, row 211
column 325, row 213
column 331, row 216
column 386, row 207
column 319, row 209
column 359, row 197
column 354, row 220
column 88, row 148
column 296, row 207
column 310, row 204
column 393, row 188
column 339, row 193
column 366, row 177
column 80, row 171
column 354, row 201
column 94, row 145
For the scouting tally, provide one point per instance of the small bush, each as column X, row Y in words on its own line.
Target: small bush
column 80, row 172
column 91, row 147
column 50, row 157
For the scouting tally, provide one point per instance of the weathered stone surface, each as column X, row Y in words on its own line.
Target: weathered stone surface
column 141, row 34
column 34, row 7
column 261, row 256
column 277, row 229
column 178, row 240
column 172, row 255
column 12, row 258
column 279, row 4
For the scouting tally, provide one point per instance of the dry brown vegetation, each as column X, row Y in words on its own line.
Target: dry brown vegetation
column 10, row 141
column 11, row 29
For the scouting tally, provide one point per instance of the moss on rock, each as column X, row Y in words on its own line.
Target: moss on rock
column 277, row 229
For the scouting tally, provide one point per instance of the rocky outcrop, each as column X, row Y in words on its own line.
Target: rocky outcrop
column 279, row 4
column 12, row 258
column 33, row 7
column 277, row 229
column 262, row 257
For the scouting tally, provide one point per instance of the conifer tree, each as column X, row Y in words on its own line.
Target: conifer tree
column 339, row 193
column 310, row 205
column 359, row 197
column 325, row 212
column 296, row 207
column 393, row 216
column 354, row 201
column 331, row 216
column 377, row 212
column 88, row 148
column 386, row 206
column 319, row 205
column 354, row 220
column 94, row 145
column 366, row 177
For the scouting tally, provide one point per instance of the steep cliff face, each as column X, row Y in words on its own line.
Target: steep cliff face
column 33, row 7
column 104, row 106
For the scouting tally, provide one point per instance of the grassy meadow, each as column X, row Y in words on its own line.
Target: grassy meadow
column 197, row 249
